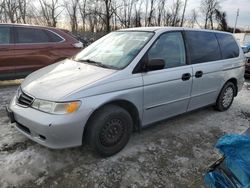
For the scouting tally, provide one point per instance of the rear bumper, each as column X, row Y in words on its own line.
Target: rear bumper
column 53, row 131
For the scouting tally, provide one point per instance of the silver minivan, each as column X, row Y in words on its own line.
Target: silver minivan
column 125, row 81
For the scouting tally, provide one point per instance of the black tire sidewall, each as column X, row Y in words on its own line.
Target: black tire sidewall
column 219, row 105
column 99, row 120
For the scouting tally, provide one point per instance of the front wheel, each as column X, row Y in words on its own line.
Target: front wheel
column 109, row 130
column 226, row 97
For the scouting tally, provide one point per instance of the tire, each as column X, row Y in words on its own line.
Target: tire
column 226, row 97
column 109, row 130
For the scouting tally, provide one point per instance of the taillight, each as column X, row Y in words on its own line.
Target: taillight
column 78, row 45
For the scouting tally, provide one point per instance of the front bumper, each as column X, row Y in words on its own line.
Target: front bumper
column 53, row 131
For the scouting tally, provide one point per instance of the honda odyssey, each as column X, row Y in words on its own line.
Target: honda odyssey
column 125, row 81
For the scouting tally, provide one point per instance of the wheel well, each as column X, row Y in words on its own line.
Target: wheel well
column 234, row 81
column 128, row 106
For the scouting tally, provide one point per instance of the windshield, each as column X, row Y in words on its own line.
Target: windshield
column 115, row 50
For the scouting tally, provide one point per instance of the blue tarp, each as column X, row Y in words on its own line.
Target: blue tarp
column 234, row 169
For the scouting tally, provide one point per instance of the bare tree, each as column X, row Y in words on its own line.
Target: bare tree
column 183, row 13
column 138, row 16
column 161, row 7
column 14, row 11
column 72, row 10
column 151, row 12
column 108, row 13
column 22, row 10
column 221, row 19
column 127, row 12
column 10, row 8
column 50, row 11
column 110, row 9
column 2, row 12
column 208, row 8
column 83, row 12
column 192, row 20
column 175, row 12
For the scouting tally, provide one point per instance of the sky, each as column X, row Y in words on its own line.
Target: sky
column 230, row 7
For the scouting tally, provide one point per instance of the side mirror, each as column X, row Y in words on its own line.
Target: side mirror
column 155, row 64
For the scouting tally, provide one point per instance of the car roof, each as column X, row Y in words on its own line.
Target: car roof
column 27, row 25
column 164, row 29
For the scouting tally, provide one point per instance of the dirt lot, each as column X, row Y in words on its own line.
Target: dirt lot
column 173, row 153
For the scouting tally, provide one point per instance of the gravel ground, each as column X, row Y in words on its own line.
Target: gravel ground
column 172, row 153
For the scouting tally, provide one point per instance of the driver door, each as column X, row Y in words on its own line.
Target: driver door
column 167, row 91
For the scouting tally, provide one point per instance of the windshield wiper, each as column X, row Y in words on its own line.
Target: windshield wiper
column 99, row 64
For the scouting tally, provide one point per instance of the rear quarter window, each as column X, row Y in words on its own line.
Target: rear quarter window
column 53, row 37
column 203, row 46
column 228, row 45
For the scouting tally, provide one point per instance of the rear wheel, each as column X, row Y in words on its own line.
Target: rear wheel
column 109, row 130
column 226, row 97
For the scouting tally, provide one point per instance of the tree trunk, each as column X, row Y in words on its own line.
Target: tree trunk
column 183, row 13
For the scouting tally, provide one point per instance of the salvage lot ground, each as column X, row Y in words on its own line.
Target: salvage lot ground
column 173, row 153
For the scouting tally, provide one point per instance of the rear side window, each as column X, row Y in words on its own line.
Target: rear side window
column 228, row 45
column 5, row 35
column 31, row 35
column 53, row 37
column 203, row 46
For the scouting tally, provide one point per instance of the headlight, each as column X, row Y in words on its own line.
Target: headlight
column 56, row 108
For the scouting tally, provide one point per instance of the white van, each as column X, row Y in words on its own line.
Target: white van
column 125, row 81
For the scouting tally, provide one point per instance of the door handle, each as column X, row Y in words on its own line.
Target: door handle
column 186, row 76
column 198, row 74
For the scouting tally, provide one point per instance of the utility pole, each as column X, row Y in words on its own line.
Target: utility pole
column 237, row 15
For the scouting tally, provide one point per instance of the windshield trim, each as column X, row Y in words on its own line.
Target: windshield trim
column 153, row 34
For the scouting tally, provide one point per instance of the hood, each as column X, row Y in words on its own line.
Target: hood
column 60, row 79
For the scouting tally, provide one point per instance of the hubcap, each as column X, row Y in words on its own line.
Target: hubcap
column 227, row 97
column 112, row 132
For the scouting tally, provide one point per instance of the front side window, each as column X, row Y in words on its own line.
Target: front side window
column 228, row 45
column 115, row 50
column 5, row 35
column 203, row 46
column 169, row 47
column 31, row 35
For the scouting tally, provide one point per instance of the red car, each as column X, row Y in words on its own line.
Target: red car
column 26, row 48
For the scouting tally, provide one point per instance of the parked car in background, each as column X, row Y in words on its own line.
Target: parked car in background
column 26, row 48
column 247, row 72
column 243, row 39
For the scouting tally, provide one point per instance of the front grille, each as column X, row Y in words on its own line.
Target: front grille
column 24, row 99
